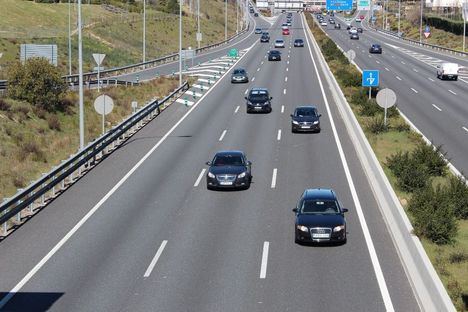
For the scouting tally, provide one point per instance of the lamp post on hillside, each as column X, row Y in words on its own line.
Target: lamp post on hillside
column 144, row 31
column 198, row 24
column 237, row 17
column 69, row 39
column 399, row 16
column 420, row 23
column 225, row 19
column 80, row 75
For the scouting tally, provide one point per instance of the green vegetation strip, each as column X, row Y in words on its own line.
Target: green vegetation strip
column 436, row 201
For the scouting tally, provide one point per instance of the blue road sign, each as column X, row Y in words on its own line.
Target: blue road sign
column 370, row 78
column 427, row 29
column 340, row 5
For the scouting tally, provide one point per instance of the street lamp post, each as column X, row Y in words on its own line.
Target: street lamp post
column 399, row 16
column 144, row 31
column 69, row 39
column 237, row 17
column 420, row 23
column 180, row 43
column 225, row 19
column 198, row 24
column 80, row 75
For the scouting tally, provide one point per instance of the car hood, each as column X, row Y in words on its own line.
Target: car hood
column 305, row 118
column 227, row 169
column 311, row 220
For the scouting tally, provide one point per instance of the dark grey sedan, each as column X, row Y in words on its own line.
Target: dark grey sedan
column 305, row 118
column 239, row 75
column 229, row 170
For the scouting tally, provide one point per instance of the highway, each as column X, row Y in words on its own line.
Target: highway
column 438, row 108
column 141, row 232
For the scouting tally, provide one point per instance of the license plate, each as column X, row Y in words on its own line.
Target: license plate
column 320, row 235
column 225, row 183
column 305, row 127
column 258, row 107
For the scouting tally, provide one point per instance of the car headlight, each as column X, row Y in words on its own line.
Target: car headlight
column 295, row 122
column 302, row 228
column 242, row 175
column 338, row 228
column 316, row 122
column 211, row 175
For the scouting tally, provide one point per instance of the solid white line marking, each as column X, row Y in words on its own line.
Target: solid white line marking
column 430, row 79
column 387, row 69
column 285, row 78
column 93, row 210
column 273, row 178
column 436, row 107
column 362, row 220
column 263, row 268
column 237, row 109
column 253, row 79
column 398, row 78
column 284, row 91
column 222, row 135
column 414, row 90
column 246, row 91
column 465, row 128
column 278, row 137
column 155, row 259
column 282, row 109
column 452, row 92
column 200, row 177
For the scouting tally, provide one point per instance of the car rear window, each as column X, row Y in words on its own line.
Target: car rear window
column 228, row 160
column 318, row 206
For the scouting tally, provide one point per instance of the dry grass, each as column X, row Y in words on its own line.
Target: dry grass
column 32, row 145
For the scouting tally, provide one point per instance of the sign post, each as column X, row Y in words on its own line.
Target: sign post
column 98, row 58
column 103, row 105
column 386, row 98
column 370, row 78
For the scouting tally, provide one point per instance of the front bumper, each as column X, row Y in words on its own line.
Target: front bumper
column 305, row 128
column 238, row 183
column 299, row 45
column 375, row 51
column 274, row 58
column 240, row 80
column 306, row 237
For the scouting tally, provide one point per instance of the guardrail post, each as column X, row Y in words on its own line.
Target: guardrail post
column 18, row 215
column 62, row 186
column 43, row 195
column 31, row 205
column 53, row 187
column 5, row 224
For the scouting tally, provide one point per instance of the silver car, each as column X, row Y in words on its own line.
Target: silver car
column 279, row 43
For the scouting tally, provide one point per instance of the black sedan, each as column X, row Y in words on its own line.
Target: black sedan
column 229, row 170
column 319, row 218
column 359, row 30
column 305, row 118
column 274, row 55
column 239, row 75
column 375, row 48
column 258, row 100
column 354, row 36
column 337, row 26
column 265, row 38
column 299, row 43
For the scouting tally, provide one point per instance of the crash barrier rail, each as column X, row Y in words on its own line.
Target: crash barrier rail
column 3, row 84
column 415, row 42
column 107, row 83
column 51, row 184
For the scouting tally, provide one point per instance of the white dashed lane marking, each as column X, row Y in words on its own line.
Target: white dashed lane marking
column 414, row 90
column 452, row 92
column 437, row 107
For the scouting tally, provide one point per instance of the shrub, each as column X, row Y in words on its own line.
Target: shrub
column 457, row 194
column 54, row 123
column 433, row 159
column 370, row 108
column 4, row 106
column 31, row 148
column 376, row 125
column 359, row 97
column 458, row 256
column 347, row 78
column 431, row 219
column 413, row 177
column 36, row 82
column 397, row 162
column 401, row 126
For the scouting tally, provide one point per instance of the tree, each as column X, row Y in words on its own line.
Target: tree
column 37, row 82
column 172, row 6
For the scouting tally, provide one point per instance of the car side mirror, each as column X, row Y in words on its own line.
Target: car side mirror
column 245, row 97
column 344, row 209
column 295, row 210
column 271, row 98
column 320, row 115
column 291, row 115
column 208, row 163
column 249, row 163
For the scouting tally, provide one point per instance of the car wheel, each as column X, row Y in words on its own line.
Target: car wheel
column 318, row 131
column 455, row 78
column 296, row 240
column 292, row 130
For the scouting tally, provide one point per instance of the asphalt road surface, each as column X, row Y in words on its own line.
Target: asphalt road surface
column 153, row 238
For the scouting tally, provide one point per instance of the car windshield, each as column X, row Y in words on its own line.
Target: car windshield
column 228, row 160
column 279, row 41
column 299, row 40
column 238, row 71
column 301, row 112
column 257, row 95
column 274, row 52
column 318, row 206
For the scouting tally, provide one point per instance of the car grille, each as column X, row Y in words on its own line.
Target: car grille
column 226, row 177
column 320, row 230
column 306, row 123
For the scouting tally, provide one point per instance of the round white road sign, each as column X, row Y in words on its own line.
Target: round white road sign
column 386, row 98
column 103, row 104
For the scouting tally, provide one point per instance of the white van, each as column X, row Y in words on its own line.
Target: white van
column 447, row 71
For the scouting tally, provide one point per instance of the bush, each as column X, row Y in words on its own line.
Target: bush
column 371, row 108
column 433, row 159
column 411, row 175
column 359, row 97
column 331, row 52
column 31, row 148
column 401, row 126
column 347, row 78
column 4, row 106
column 376, row 125
column 458, row 256
column 431, row 219
column 457, row 194
column 54, row 123
column 36, row 82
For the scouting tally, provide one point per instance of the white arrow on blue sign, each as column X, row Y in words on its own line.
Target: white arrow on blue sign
column 370, row 78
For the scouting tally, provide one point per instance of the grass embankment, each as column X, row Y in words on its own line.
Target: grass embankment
column 411, row 31
column 117, row 35
column 33, row 140
column 450, row 260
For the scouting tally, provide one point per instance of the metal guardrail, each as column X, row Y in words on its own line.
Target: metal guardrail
column 61, row 177
column 3, row 84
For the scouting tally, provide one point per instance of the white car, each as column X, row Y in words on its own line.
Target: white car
column 279, row 43
column 447, row 71
column 358, row 19
column 353, row 30
column 323, row 23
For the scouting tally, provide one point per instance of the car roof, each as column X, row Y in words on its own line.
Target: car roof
column 306, row 106
column 259, row 89
column 229, row 152
column 319, row 193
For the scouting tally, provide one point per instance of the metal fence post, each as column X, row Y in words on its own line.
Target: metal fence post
column 62, row 184
column 31, row 205
column 5, row 224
